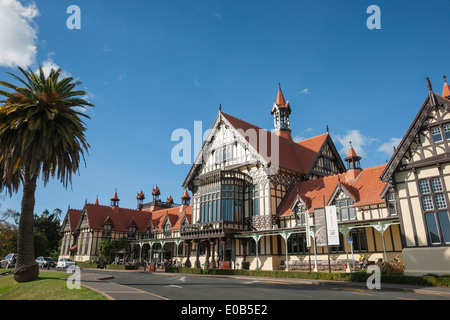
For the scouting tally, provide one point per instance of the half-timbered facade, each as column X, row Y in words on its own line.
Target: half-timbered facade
column 257, row 195
column 152, row 230
column 246, row 198
column 419, row 179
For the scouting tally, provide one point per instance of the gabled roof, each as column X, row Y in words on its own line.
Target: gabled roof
column 174, row 216
column 432, row 100
column 121, row 218
column 72, row 217
column 297, row 157
column 365, row 190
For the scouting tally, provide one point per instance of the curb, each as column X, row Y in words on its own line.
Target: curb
column 388, row 286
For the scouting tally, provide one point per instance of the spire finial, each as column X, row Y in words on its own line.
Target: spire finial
column 328, row 131
column 351, row 145
column 220, row 107
column 445, row 78
column 430, row 88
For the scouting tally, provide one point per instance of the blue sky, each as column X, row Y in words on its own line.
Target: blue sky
column 151, row 67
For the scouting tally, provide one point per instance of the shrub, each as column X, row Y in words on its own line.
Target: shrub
column 391, row 267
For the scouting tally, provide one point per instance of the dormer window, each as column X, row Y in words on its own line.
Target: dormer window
column 345, row 210
column 392, row 208
column 107, row 231
column 132, row 233
column 299, row 213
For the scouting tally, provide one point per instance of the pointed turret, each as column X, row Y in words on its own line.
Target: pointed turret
column 96, row 201
column 115, row 200
column 281, row 111
column 140, row 200
column 353, row 164
column 185, row 200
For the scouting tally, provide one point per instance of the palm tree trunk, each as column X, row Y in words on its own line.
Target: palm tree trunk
column 26, row 266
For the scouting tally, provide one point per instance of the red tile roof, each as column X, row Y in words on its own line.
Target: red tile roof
column 185, row 195
column 281, row 103
column 122, row 218
column 366, row 190
column 73, row 215
column 115, row 197
column 446, row 90
column 352, row 153
column 297, row 157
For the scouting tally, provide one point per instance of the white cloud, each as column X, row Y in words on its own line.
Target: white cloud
column 196, row 83
column 388, row 147
column 299, row 138
column 305, row 91
column 218, row 15
column 18, row 33
column 359, row 142
column 49, row 64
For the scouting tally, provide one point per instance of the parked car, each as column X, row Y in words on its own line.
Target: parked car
column 65, row 262
column 9, row 261
column 44, row 262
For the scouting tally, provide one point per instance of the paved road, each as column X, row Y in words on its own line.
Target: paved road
column 162, row 286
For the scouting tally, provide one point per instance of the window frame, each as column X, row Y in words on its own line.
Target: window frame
column 436, row 194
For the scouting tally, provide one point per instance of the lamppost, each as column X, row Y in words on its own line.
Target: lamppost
column 156, row 239
column 197, row 262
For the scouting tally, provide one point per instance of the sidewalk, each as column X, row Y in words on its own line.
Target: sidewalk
column 115, row 291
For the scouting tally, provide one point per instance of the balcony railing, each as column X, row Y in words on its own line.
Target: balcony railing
column 212, row 229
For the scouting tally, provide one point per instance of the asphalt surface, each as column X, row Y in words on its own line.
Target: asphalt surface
column 117, row 285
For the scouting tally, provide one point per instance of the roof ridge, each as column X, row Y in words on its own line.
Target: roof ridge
column 326, row 133
column 106, row 206
column 375, row 167
column 244, row 121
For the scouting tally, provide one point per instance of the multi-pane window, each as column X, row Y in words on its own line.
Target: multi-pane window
column 446, row 131
column 297, row 244
column 299, row 213
column 424, row 186
column 359, row 239
column 209, row 204
column 86, row 244
column 436, row 185
column 232, row 202
column 131, row 233
column 432, row 196
column 437, row 134
column 427, row 203
column 434, row 204
column 254, row 200
column 107, row 230
column 345, row 210
column 223, row 154
column 392, row 208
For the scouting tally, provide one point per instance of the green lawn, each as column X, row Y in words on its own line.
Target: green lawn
column 49, row 286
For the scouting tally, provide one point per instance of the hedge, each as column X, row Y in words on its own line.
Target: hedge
column 120, row 267
column 86, row 265
column 427, row 280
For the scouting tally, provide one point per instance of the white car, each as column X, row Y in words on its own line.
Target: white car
column 65, row 262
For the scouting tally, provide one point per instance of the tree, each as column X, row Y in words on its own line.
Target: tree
column 41, row 134
column 48, row 224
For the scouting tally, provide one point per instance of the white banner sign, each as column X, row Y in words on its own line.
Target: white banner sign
column 332, row 226
column 308, row 232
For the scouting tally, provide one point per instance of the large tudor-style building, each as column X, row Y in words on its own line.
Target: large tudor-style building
column 257, row 197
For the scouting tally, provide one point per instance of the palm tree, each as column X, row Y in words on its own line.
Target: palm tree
column 41, row 134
